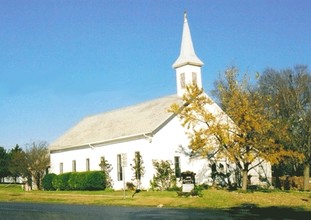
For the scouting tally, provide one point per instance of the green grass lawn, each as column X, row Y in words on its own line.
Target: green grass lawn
column 212, row 198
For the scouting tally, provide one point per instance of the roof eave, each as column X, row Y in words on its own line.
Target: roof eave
column 101, row 143
column 180, row 64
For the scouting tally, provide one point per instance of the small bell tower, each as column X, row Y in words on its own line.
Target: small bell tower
column 188, row 65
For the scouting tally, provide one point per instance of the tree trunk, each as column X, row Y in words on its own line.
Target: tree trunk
column 306, row 172
column 245, row 180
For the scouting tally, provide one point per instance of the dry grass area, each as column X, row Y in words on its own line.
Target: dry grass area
column 212, row 198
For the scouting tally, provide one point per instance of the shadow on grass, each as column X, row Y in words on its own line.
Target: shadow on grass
column 251, row 211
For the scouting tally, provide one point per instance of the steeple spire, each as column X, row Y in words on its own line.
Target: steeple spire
column 188, row 65
column 187, row 54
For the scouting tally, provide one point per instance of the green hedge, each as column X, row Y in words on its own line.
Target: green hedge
column 60, row 182
column 90, row 180
column 47, row 181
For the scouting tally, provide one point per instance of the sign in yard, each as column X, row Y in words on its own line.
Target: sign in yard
column 187, row 187
column 124, row 164
column 124, row 160
column 188, row 181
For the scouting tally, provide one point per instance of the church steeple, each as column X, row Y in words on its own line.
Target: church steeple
column 187, row 54
column 188, row 65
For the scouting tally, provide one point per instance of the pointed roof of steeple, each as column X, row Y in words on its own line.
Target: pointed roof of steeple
column 187, row 54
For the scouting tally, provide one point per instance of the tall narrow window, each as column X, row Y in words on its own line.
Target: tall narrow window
column 61, row 168
column 138, row 165
column 74, row 166
column 177, row 167
column 119, row 167
column 194, row 78
column 102, row 163
column 183, row 80
column 87, row 164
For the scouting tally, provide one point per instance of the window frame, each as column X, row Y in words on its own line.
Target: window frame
column 183, row 80
column 74, row 166
column 177, row 166
column 138, row 170
column 61, row 167
column 119, row 167
column 87, row 164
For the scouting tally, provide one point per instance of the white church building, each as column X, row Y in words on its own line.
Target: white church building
column 147, row 129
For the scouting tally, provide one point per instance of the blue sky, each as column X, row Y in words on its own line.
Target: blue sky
column 62, row 60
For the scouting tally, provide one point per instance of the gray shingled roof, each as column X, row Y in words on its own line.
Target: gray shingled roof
column 144, row 118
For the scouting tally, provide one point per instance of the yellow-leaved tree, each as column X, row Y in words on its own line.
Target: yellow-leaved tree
column 240, row 131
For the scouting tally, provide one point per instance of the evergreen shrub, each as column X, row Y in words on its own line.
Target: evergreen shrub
column 90, row 180
column 74, row 182
column 47, row 181
column 94, row 180
column 60, row 182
